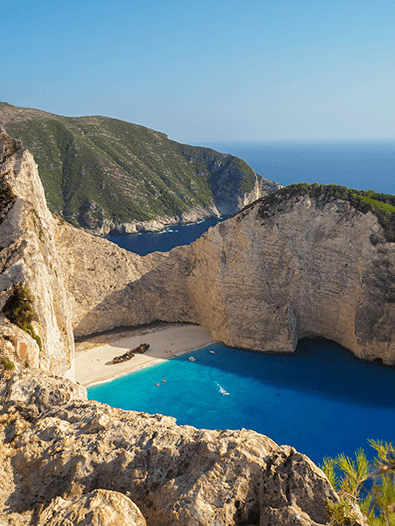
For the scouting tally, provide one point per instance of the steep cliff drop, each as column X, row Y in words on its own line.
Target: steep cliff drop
column 66, row 460
column 34, row 320
column 288, row 266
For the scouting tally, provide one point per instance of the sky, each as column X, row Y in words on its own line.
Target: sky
column 207, row 70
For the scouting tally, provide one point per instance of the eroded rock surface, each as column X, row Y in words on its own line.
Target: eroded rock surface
column 99, row 508
column 260, row 280
column 30, row 269
column 60, row 455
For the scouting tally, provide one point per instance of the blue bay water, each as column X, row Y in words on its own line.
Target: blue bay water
column 362, row 165
column 143, row 244
column 322, row 400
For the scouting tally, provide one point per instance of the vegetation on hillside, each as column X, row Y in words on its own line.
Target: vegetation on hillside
column 94, row 168
column 381, row 205
column 371, row 485
column 7, row 198
column 19, row 310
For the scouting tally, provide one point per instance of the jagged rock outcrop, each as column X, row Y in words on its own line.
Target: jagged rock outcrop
column 34, row 320
column 61, row 452
column 260, row 280
column 98, row 508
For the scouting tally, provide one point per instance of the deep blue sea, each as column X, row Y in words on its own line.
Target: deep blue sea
column 321, row 399
column 364, row 165
column 143, row 244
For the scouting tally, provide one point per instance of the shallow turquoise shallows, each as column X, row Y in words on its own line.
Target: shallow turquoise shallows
column 322, row 400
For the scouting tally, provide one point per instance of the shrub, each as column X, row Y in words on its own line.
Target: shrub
column 370, row 485
column 7, row 364
column 19, row 310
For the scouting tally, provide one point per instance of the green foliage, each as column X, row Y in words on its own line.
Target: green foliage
column 370, row 485
column 356, row 472
column 340, row 513
column 329, row 469
column 7, row 364
column 381, row 205
column 7, row 198
column 96, row 168
column 19, row 310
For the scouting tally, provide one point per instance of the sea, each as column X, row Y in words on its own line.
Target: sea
column 363, row 165
column 321, row 399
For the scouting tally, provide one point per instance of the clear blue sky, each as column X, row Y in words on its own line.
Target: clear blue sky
column 207, row 70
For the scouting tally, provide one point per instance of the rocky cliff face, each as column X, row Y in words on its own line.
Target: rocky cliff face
column 305, row 267
column 260, row 280
column 34, row 320
column 65, row 460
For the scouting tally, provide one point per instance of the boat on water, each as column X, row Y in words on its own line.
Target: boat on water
column 222, row 390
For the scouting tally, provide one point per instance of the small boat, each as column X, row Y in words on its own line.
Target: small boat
column 192, row 359
column 222, row 390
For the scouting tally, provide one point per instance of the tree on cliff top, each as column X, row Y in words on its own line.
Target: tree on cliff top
column 370, row 485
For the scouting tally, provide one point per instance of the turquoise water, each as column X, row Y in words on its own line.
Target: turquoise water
column 322, row 400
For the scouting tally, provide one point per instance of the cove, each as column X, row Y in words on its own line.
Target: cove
column 175, row 236
column 321, row 399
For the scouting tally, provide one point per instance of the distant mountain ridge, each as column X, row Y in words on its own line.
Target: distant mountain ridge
column 104, row 174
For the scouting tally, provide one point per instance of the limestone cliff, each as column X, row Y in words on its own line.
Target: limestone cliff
column 261, row 280
column 305, row 266
column 34, row 320
column 66, row 459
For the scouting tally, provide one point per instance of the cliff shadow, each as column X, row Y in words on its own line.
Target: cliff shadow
column 160, row 295
column 317, row 366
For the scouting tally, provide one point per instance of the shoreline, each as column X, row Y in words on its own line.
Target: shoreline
column 93, row 361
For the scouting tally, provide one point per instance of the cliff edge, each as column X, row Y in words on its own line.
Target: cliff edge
column 260, row 280
column 66, row 460
column 288, row 266
column 34, row 321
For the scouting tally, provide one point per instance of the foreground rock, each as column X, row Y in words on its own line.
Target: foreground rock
column 35, row 324
column 63, row 451
column 99, row 508
column 260, row 280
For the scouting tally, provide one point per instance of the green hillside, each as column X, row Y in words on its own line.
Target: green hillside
column 97, row 167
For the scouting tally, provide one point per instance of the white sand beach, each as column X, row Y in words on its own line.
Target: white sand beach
column 94, row 356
